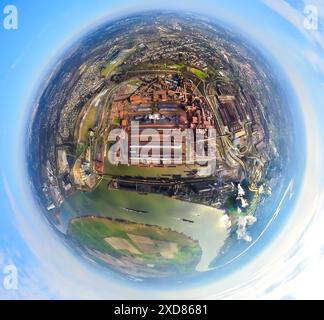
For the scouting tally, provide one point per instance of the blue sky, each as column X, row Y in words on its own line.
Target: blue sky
column 45, row 28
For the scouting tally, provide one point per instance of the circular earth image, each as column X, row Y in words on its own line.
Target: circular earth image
column 158, row 145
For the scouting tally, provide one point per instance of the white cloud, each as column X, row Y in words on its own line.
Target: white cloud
column 316, row 60
column 296, row 18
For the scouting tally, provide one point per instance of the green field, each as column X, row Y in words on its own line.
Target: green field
column 179, row 67
column 175, row 66
column 87, row 124
column 81, row 148
column 199, row 73
column 110, row 67
column 91, row 232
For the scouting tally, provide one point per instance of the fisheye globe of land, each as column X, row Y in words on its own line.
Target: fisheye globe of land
column 118, row 131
